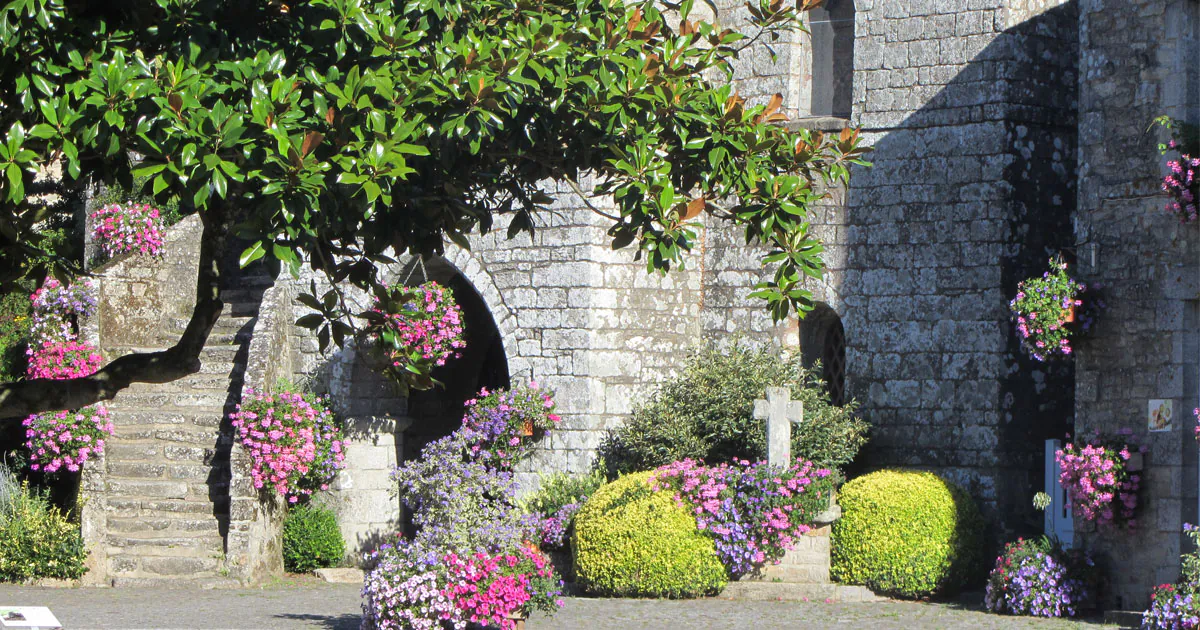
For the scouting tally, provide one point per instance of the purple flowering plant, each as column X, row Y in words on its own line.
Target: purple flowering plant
column 1177, row 606
column 1042, row 579
column 469, row 557
column 502, row 425
column 1044, row 311
column 57, row 309
column 753, row 512
column 1096, row 475
column 553, row 507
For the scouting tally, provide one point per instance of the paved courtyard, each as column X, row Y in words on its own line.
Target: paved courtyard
column 306, row 604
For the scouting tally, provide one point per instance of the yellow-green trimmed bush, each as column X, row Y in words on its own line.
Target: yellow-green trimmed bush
column 906, row 533
column 630, row 541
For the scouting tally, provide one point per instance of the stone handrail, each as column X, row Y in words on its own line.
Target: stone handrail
column 255, row 522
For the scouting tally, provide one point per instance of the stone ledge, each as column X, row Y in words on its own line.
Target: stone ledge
column 340, row 576
column 779, row 591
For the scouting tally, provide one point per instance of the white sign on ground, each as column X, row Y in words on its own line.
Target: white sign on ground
column 29, row 617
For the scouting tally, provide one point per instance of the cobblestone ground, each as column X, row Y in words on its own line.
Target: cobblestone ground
column 308, row 604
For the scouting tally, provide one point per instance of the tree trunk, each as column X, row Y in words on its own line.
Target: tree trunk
column 22, row 398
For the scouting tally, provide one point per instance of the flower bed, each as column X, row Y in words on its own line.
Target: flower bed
column 1098, row 479
column 1040, row 578
column 420, row 328
column 293, row 442
column 1177, row 606
column 753, row 512
column 469, row 560
column 66, row 439
column 1044, row 310
column 128, row 228
column 502, row 425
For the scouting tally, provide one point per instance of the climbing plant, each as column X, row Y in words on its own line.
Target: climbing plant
column 340, row 133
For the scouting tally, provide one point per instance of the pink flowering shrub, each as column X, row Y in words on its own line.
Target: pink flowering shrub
column 1098, row 481
column 1182, row 185
column 491, row 589
column 128, row 228
column 66, row 439
column 1044, row 310
column 292, row 440
column 420, row 329
column 62, row 360
column 57, row 309
column 500, row 426
column 753, row 512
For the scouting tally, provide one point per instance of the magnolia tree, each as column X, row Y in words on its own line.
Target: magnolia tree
column 338, row 133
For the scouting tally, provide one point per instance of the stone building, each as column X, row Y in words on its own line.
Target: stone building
column 1004, row 131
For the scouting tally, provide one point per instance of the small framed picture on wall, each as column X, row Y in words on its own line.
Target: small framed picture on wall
column 1160, row 415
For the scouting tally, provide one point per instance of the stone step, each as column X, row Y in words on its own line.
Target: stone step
column 160, row 527
column 166, row 508
column 206, row 583
column 156, row 452
column 179, row 546
column 167, row 420
column 168, row 489
column 175, row 435
column 780, row 591
column 127, row 567
column 194, row 402
column 150, row 471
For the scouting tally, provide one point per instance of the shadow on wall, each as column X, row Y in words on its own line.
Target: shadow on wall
column 968, row 195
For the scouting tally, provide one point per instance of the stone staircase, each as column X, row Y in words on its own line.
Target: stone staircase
column 167, row 467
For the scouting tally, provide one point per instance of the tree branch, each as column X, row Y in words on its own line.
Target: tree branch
column 21, row 398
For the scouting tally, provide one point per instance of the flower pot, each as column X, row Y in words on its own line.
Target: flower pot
column 1070, row 318
column 527, row 428
column 518, row 621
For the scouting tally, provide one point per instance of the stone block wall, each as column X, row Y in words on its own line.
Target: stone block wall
column 971, row 158
column 1139, row 61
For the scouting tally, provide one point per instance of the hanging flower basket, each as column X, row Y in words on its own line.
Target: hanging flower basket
column 418, row 328
column 1047, row 313
column 1102, row 477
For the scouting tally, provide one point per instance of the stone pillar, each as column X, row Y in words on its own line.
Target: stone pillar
column 363, row 493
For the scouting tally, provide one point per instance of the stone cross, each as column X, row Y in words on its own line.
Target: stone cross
column 780, row 411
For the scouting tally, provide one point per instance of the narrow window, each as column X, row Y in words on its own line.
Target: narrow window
column 832, row 28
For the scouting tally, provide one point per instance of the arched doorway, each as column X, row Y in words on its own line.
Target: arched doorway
column 438, row 411
column 823, row 339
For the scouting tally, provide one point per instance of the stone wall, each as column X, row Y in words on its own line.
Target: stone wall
column 1139, row 61
column 253, row 544
column 971, row 158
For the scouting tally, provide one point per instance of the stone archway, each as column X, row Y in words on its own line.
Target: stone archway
column 485, row 360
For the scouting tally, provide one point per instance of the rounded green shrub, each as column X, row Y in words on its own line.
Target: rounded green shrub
column 631, row 541
column 906, row 533
column 311, row 539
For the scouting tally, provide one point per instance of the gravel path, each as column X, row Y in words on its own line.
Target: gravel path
column 304, row 603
